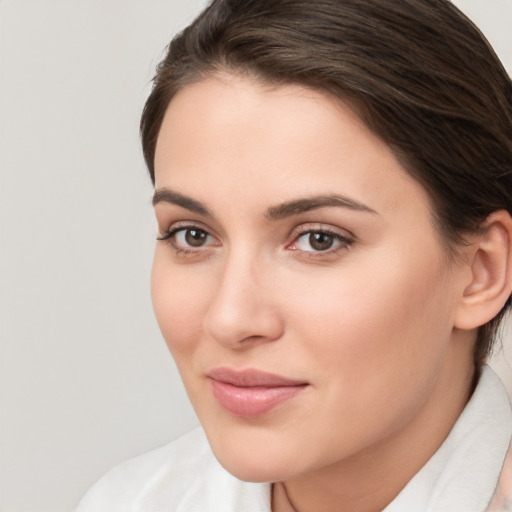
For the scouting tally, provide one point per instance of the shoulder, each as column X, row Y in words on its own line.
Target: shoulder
column 180, row 476
column 131, row 481
column 502, row 501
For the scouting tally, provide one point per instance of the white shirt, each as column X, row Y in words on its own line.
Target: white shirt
column 184, row 476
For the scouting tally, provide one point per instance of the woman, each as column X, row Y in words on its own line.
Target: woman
column 333, row 189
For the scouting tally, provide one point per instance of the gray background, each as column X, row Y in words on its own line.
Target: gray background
column 85, row 378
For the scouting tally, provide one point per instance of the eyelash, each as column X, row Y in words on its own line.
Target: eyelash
column 344, row 242
column 169, row 235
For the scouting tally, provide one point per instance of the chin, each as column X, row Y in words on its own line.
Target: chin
column 255, row 459
column 260, row 471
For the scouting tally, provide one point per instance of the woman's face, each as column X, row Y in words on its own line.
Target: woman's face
column 300, row 284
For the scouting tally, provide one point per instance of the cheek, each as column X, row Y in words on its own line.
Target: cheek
column 370, row 322
column 374, row 341
column 178, row 306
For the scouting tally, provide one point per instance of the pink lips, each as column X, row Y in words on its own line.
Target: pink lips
column 251, row 393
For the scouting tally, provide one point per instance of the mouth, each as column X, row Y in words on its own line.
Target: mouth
column 252, row 393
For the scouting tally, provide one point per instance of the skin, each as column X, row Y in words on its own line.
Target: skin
column 369, row 323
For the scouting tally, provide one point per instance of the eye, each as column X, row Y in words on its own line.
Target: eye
column 188, row 238
column 320, row 241
column 191, row 237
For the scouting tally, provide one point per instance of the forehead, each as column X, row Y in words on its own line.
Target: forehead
column 238, row 140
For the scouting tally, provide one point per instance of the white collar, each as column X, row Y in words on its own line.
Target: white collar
column 462, row 475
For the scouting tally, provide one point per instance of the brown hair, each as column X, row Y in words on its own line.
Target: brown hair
column 419, row 73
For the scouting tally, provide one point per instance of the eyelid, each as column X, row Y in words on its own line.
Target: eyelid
column 183, row 224
column 321, row 227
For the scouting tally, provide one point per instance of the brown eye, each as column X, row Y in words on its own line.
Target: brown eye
column 188, row 238
column 320, row 241
column 195, row 237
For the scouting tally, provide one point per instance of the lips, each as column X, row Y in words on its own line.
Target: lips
column 252, row 393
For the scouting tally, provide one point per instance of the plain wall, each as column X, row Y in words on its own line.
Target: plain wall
column 85, row 378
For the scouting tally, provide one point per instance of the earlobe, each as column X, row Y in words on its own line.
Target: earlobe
column 490, row 282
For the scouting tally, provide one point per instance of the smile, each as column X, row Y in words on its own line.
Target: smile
column 252, row 393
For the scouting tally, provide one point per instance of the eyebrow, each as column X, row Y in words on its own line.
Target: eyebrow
column 165, row 195
column 280, row 211
column 307, row 204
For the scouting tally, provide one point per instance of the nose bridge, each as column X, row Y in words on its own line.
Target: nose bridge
column 238, row 281
column 244, row 306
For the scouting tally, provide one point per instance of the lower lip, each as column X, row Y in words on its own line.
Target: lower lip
column 251, row 402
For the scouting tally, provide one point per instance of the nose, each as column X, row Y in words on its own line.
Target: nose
column 244, row 309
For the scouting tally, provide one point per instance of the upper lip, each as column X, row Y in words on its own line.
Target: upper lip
column 252, row 378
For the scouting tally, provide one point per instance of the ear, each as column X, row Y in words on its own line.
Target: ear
column 490, row 278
